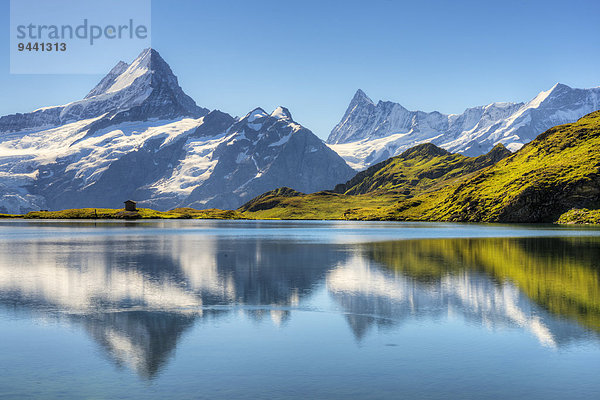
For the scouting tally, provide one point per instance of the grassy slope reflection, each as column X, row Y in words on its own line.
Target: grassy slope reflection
column 560, row 274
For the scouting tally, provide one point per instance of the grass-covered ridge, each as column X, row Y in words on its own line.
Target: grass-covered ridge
column 418, row 170
column 320, row 205
column 372, row 192
column 140, row 213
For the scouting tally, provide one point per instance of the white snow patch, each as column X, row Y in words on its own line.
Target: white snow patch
column 514, row 146
column 280, row 113
column 195, row 168
column 127, row 78
column 361, row 154
column 22, row 153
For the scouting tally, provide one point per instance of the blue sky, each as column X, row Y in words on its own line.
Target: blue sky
column 311, row 56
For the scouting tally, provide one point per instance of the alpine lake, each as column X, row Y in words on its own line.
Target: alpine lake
column 194, row 309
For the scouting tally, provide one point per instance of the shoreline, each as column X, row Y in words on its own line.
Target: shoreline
column 571, row 217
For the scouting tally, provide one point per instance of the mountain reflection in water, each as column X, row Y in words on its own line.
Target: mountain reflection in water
column 137, row 295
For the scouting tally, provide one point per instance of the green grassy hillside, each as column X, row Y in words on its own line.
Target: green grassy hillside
column 418, row 170
column 320, row 205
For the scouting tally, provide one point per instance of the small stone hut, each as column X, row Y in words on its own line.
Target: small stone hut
column 130, row 205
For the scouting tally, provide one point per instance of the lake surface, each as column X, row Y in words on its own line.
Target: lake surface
column 246, row 309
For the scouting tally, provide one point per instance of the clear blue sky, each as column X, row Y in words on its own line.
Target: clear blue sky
column 311, row 56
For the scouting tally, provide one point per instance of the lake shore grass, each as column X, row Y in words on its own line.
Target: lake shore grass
column 10, row 216
column 140, row 213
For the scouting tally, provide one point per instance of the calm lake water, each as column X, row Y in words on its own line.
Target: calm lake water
column 250, row 310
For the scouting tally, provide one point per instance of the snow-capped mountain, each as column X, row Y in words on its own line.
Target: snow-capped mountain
column 264, row 151
column 146, row 88
column 138, row 135
column 369, row 133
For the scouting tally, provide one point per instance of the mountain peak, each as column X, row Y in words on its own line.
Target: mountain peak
column 148, row 83
column 151, row 60
column 361, row 108
column 124, row 75
column 497, row 153
column 361, row 97
column 147, row 54
column 255, row 114
column 557, row 89
column 281, row 113
column 559, row 86
column 427, row 150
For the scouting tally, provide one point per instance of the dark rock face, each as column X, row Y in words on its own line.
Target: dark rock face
column 546, row 204
column 39, row 118
column 361, row 112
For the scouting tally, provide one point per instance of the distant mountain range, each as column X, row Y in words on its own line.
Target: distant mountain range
column 138, row 135
column 369, row 133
